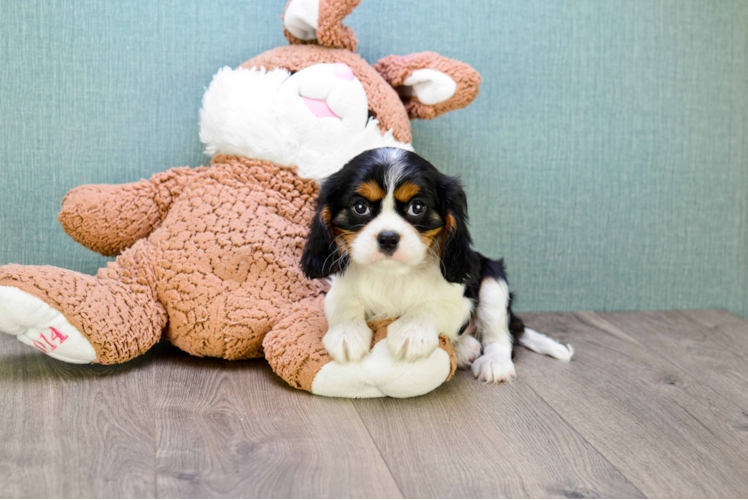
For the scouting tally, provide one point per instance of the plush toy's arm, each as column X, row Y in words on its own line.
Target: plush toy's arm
column 110, row 218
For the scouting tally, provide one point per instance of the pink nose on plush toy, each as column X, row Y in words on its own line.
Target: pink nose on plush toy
column 342, row 71
column 319, row 108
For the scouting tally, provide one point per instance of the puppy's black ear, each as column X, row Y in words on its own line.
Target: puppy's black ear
column 458, row 260
column 320, row 258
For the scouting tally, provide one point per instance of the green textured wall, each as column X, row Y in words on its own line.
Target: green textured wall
column 606, row 157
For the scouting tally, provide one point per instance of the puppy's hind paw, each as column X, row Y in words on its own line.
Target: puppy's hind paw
column 495, row 365
column 467, row 350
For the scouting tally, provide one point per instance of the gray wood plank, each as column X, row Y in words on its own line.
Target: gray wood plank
column 468, row 439
column 659, row 425
column 234, row 429
column 724, row 328
column 711, row 354
column 74, row 431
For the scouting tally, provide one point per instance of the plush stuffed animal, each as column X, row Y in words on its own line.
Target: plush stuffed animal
column 208, row 258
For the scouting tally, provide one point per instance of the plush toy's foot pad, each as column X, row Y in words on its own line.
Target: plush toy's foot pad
column 38, row 325
column 295, row 350
column 380, row 374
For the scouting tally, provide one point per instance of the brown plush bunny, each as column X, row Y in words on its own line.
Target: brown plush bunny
column 209, row 257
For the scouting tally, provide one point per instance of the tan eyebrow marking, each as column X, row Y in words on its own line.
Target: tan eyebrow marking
column 406, row 191
column 371, row 191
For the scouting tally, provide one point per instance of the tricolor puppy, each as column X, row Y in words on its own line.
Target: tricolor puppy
column 391, row 232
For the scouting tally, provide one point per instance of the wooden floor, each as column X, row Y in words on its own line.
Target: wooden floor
column 655, row 404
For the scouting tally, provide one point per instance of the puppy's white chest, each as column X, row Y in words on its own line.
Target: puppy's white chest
column 391, row 295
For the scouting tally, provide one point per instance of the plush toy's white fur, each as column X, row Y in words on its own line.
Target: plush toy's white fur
column 262, row 114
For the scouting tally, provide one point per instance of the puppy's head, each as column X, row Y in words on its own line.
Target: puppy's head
column 389, row 208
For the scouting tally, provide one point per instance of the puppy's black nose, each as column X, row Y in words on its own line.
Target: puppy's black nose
column 388, row 242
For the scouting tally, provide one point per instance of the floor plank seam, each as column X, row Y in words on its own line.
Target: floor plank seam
column 628, row 479
column 394, row 479
column 673, row 362
column 155, row 432
column 717, row 339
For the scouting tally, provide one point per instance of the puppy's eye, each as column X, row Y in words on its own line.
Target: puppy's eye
column 361, row 208
column 416, row 208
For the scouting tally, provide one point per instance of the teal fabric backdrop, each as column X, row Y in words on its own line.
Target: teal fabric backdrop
column 606, row 157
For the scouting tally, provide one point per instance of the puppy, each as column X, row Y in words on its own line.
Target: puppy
column 391, row 232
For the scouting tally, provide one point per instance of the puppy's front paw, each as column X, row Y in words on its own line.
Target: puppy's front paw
column 411, row 341
column 467, row 350
column 495, row 365
column 348, row 342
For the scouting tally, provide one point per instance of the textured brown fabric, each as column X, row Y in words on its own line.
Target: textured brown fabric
column 445, row 344
column 110, row 218
column 397, row 69
column 384, row 103
column 222, row 264
column 116, row 310
column 330, row 30
column 294, row 347
column 380, row 330
column 228, row 256
column 209, row 257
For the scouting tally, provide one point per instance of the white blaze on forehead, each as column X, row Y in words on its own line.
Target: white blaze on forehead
column 395, row 161
column 388, row 203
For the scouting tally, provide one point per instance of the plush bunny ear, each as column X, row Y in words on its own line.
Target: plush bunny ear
column 320, row 21
column 429, row 84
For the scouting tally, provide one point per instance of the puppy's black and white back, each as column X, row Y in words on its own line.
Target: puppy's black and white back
column 392, row 233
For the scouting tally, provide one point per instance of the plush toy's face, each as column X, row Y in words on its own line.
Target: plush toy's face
column 326, row 91
column 315, row 119
column 315, row 105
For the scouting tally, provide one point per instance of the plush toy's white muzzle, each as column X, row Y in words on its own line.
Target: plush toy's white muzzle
column 315, row 120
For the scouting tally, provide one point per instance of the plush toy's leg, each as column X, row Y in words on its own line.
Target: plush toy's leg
column 295, row 351
column 108, row 318
column 36, row 324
